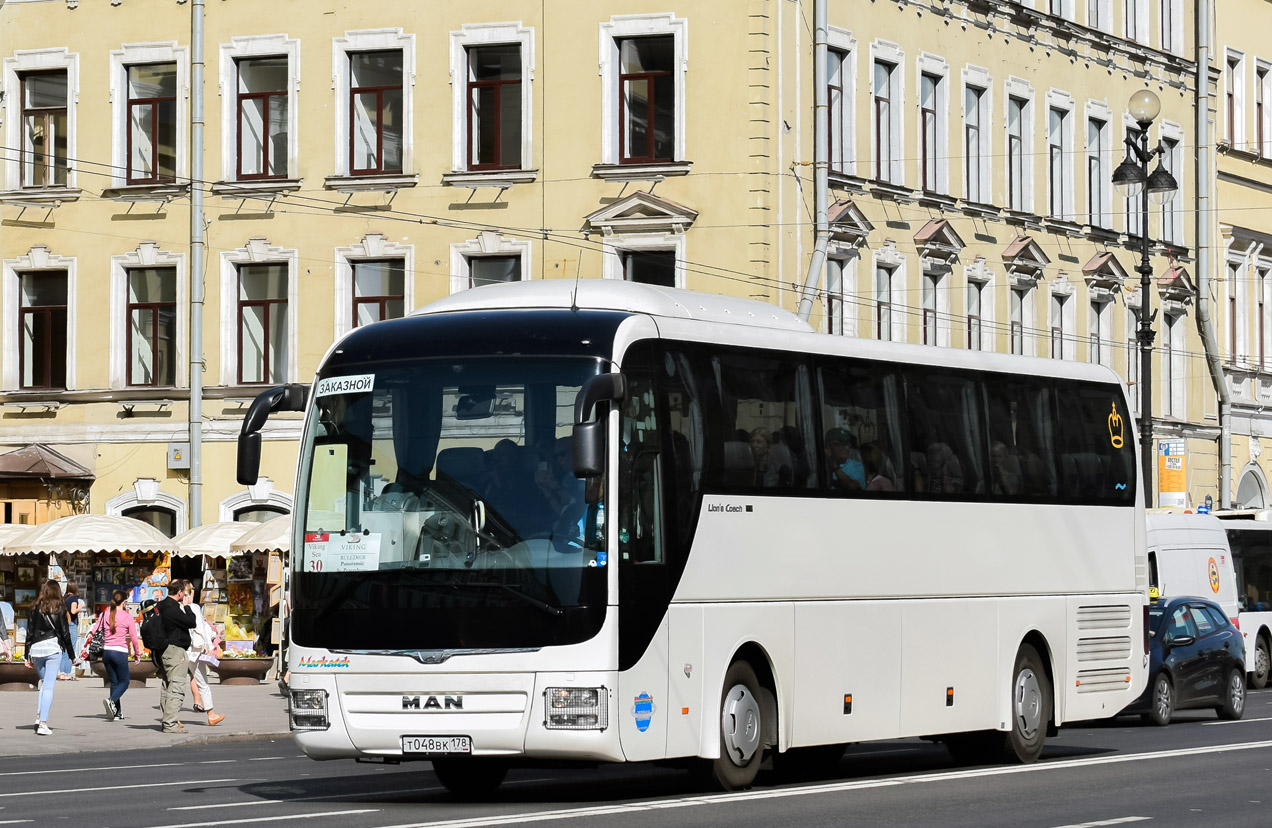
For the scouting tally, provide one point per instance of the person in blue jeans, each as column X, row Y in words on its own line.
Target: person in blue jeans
column 73, row 606
column 121, row 634
column 48, row 637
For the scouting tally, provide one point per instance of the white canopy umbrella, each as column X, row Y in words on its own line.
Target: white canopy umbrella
column 91, row 533
column 10, row 533
column 211, row 538
column 271, row 536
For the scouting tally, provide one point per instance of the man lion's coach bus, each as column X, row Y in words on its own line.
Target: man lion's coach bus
column 609, row 522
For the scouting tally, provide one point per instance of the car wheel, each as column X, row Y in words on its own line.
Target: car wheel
column 1233, row 697
column 1259, row 676
column 470, row 778
column 741, row 731
column 1161, row 702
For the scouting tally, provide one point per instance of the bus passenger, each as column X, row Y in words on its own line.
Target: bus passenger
column 873, row 462
column 846, row 470
column 772, row 465
column 1006, row 469
column 944, row 471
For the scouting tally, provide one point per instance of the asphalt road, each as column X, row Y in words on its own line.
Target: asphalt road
column 1198, row 771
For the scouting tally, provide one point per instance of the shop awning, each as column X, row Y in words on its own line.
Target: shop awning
column 10, row 533
column 91, row 533
column 271, row 536
column 42, row 463
column 211, row 538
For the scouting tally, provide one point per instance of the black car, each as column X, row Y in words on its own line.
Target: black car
column 1196, row 659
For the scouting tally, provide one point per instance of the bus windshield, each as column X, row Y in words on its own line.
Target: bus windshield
column 440, row 492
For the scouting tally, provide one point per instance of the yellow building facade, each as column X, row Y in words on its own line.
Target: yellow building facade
column 365, row 159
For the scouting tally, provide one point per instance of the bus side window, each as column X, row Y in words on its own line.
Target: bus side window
column 861, row 413
column 1022, row 460
column 1097, row 453
column 946, row 434
column 639, row 521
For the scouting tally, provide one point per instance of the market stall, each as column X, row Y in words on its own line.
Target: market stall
column 207, row 548
column 254, row 590
column 10, row 533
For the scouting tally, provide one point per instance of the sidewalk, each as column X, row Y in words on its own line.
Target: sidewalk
column 79, row 721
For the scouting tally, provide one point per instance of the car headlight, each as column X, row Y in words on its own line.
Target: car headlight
column 576, row 708
column 308, row 710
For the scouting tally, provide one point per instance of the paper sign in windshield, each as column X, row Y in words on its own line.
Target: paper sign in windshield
column 333, row 552
column 353, row 384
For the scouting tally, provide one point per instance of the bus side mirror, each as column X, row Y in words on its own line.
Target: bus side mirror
column 290, row 397
column 589, row 437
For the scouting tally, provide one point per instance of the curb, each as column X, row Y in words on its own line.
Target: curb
column 177, row 742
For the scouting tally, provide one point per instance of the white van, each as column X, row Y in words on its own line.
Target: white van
column 1189, row 555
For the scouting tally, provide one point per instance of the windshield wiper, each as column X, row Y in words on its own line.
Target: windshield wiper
column 512, row 590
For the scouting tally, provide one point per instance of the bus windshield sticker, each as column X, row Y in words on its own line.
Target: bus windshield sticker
column 1115, row 428
column 354, row 384
column 332, row 552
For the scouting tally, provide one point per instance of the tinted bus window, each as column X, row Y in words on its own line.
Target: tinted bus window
column 861, row 417
column 686, row 430
column 1096, row 447
column 946, row 435
column 1021, row 437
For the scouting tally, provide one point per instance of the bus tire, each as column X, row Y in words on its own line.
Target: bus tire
column 742, row 728
column 470, row 778
column 1262, row 663
column 1161, row 702
column 1031, row 702
column 1233, row 706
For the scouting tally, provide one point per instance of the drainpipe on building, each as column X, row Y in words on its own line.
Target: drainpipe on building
column 1205, row 253
column 821, row 161
column 195, row 416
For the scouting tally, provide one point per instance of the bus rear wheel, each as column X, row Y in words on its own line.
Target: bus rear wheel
column 742, row 729
column 1262, row 663
column 1030, row 717
column 470, row 778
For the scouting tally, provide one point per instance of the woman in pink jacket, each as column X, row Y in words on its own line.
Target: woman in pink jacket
column 121, row 632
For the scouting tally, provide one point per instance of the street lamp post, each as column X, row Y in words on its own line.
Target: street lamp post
column 1131, row 179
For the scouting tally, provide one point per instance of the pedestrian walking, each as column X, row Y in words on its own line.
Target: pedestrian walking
column 178, row 619
column 205, row 644
column 4, row 638
column 73, row 606
column 47, row 639
column 122, row 635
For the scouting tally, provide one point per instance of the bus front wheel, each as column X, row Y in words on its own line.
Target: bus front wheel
column 741, row 730
column 472, row 777
column 1030, row 708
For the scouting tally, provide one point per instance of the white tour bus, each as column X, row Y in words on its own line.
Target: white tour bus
column 1251, row 544
column 609, row 522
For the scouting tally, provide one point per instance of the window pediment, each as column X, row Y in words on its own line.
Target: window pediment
column 1176, row 286
column 642, row 213
column 848, row 223
column 1025, row 261
column 1103, row 274
column 937, row 242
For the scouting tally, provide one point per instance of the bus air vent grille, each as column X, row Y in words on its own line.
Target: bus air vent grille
column 1114, row 648
column 1105, row 617
column 1114, row 680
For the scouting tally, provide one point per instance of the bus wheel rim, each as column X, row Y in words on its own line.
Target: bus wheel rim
column 740, row 724
column 1028, row 703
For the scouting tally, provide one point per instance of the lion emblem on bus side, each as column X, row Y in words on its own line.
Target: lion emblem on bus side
column 1115, row 428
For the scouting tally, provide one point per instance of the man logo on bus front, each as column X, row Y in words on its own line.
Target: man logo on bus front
column 433, row 703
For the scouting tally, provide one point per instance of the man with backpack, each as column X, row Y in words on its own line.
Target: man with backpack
column 178, row 620
column 152, row 637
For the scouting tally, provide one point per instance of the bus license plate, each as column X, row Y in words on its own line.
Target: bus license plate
column 437, row 744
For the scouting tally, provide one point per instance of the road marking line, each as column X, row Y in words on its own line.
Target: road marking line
column 1118, row 821
column 14, row 821
column 121, row 787
column 745, row 796
column 302, row 798
column 98, row 769
column 269, row 819
column 1239, row 721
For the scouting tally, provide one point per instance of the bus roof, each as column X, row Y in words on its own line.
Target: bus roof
column 612, row 294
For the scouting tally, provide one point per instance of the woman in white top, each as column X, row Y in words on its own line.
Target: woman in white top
column 204, row 641
column 48, row 637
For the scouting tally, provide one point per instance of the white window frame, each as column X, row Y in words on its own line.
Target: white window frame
column 373, row 246
column 1066, row 9
column 1022, row 89
column 147, row 254
column 1234, row 82
column 1135, row 28
column 1062, row 293
column 257, row 46
column 934, row 65
column 1171, row 213
column 938, row 275
column 1100, row 326
column 1062, row 102
column 476, row 35
column 256, row 251
column 889, row 257
column 1101, row 111
column 1263, row 85
column 979, row 78
column 136, row 54
column 841, row 283
column 842, row 40
column 35, row 260
column 262, row 494
column 1174, row 366
column 882, row 51
column 1263, row 279
column 1028, row 331
column 1238, row 258
column 1133, row 352
column 38, row 60
column 979, row 274
column 1131, row 205
column 487, row 243
column 145, row 494
column 1172, row 11
column 1104, row 10
column 620, row 27
column 372, row 40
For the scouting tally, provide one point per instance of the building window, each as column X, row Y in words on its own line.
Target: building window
column 883, row 302
column 1017, row 187
column 1059, row 161
column 1171, row 20
column 884, row 138
column 262, row 323
column 1101, row 331
column 1172, row 218
column 1058, row 332
column 1134, row 204
column 493, row 270
column 974, row 290
column 1135, row 20
column 1097, row 172
column 1234, row 100
column 839, row 273
column 1095, row 15
column 839, row 91
column 929, row 128
column 1133, row 358
column 649, row 267
column 262, row 117
column 42, row 323
column 152, row 326
column 1173, row 358
column 494, row 107
column 975, row 151
column 1262, row 116
column 1264, row 285
column 930, row 283
column 1234, row 309
column 258, row 514
column 378, row 291
column 376, row 115
column 1019, row 296
column 44, row 129
column 152, row 123
column 647, row 100
column 165, row 520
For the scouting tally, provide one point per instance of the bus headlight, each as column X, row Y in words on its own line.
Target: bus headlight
column 308, row 710
column 576, row 708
